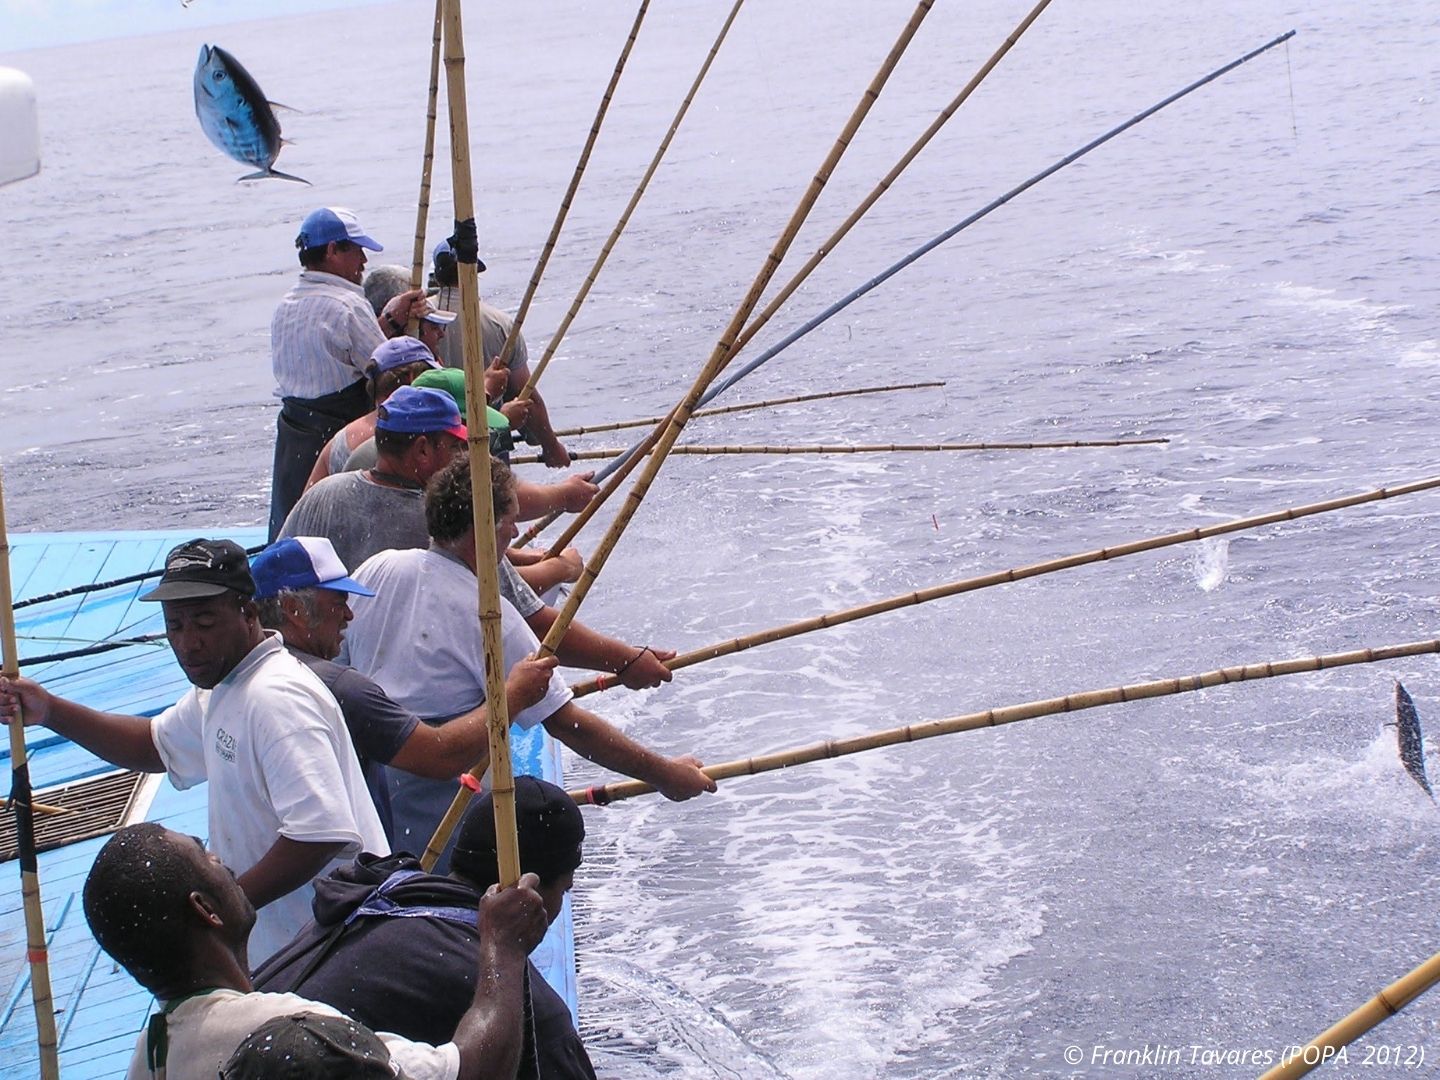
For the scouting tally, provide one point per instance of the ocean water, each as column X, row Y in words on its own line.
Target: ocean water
column 1252, row 274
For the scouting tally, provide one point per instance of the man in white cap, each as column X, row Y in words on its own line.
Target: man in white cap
column 322, row 337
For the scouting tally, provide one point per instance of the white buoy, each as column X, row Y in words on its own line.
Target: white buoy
column 19, row 127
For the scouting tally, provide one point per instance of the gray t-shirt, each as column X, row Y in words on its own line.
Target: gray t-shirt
column 494, row 327
column 362, row 518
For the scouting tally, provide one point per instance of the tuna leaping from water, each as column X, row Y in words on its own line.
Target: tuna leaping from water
column 234, row 114
column 1407, row 731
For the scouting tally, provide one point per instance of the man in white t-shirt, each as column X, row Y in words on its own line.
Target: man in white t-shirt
column 287, row 798
column 175, row 917
column 420, row 639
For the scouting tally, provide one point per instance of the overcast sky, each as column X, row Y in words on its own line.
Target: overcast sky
column 29, row 24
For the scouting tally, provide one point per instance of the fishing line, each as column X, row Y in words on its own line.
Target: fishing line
column 1290, row 80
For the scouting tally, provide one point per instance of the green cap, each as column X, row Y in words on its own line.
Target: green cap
column 452, row 381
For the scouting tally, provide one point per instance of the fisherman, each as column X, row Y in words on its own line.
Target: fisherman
column 420, row 638
column 321, row 337
column 287, row 798
column 302, row 590
column 311, row 1045
column 530, row 417
column 570, row 495
column 417, row 933
column 175, row 918
column 384, row 283
column 418, row 433
column 396, row 363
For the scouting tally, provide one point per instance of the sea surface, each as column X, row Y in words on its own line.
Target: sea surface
column 1251, row 274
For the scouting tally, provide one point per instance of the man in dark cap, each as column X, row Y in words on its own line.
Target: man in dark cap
column 416, row 934
column 287, row 798
column 530, row 417
column 310, row 1046
column 174, row 917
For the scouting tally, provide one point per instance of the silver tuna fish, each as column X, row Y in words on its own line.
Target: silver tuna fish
column 234, row 114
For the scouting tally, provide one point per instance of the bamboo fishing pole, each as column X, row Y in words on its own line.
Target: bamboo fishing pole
column 650, row 421
column 36, row 950
column 508, row 349
column 749, row 367
column 1091, row 699
column 1297, row 1061
column 427, row 162
column 1019, row 573
column 874, row 448
column 486, row 558
column 788, row 289
column 619, row 228
column 721, row 352
column 628, row 464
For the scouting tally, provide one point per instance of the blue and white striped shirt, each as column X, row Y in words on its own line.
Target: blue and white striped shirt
column 322, row 336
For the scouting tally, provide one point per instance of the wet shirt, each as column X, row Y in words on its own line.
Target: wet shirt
column 203, row 1031
column 378, row 726
column 494, row 326
column 361, row 518
column 273, row 745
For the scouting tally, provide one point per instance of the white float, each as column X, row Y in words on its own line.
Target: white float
column 19, row 127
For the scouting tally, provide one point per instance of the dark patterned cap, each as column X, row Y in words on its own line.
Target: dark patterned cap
column 200, row 568
column 310, row 1046
column 550, row 827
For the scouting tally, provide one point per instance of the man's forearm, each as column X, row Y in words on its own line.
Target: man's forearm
column 490, row 1035
column 119, row 739
column 581, row 646
column 598, row 740
column 287, row 866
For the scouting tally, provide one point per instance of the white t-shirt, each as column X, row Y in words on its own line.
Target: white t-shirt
column 273, row 745
column 204, row 1031
column 419, row 637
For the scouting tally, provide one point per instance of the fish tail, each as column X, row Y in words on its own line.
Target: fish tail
column 276, row 174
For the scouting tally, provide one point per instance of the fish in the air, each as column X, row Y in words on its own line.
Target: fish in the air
column 1407, row 733
column 235, row 115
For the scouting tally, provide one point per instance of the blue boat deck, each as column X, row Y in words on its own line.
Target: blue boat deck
column 99, row 1008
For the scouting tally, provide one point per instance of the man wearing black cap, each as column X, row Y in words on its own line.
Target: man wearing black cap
column 287, row 798
column 530, row 417
column 416, row 934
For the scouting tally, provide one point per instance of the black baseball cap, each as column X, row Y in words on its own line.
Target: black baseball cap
column 200, row 568
column 550, row 829
column 310, row 1046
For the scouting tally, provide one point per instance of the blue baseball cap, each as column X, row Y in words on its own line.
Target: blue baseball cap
column 418, row 411
column 397, row 352
column 302, row 562
column 444, row 248
column 331, row 223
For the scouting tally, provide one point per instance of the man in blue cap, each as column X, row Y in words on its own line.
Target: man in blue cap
column 302, row 590
column 321, row 338
column 417, row 433
column 397, row 362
